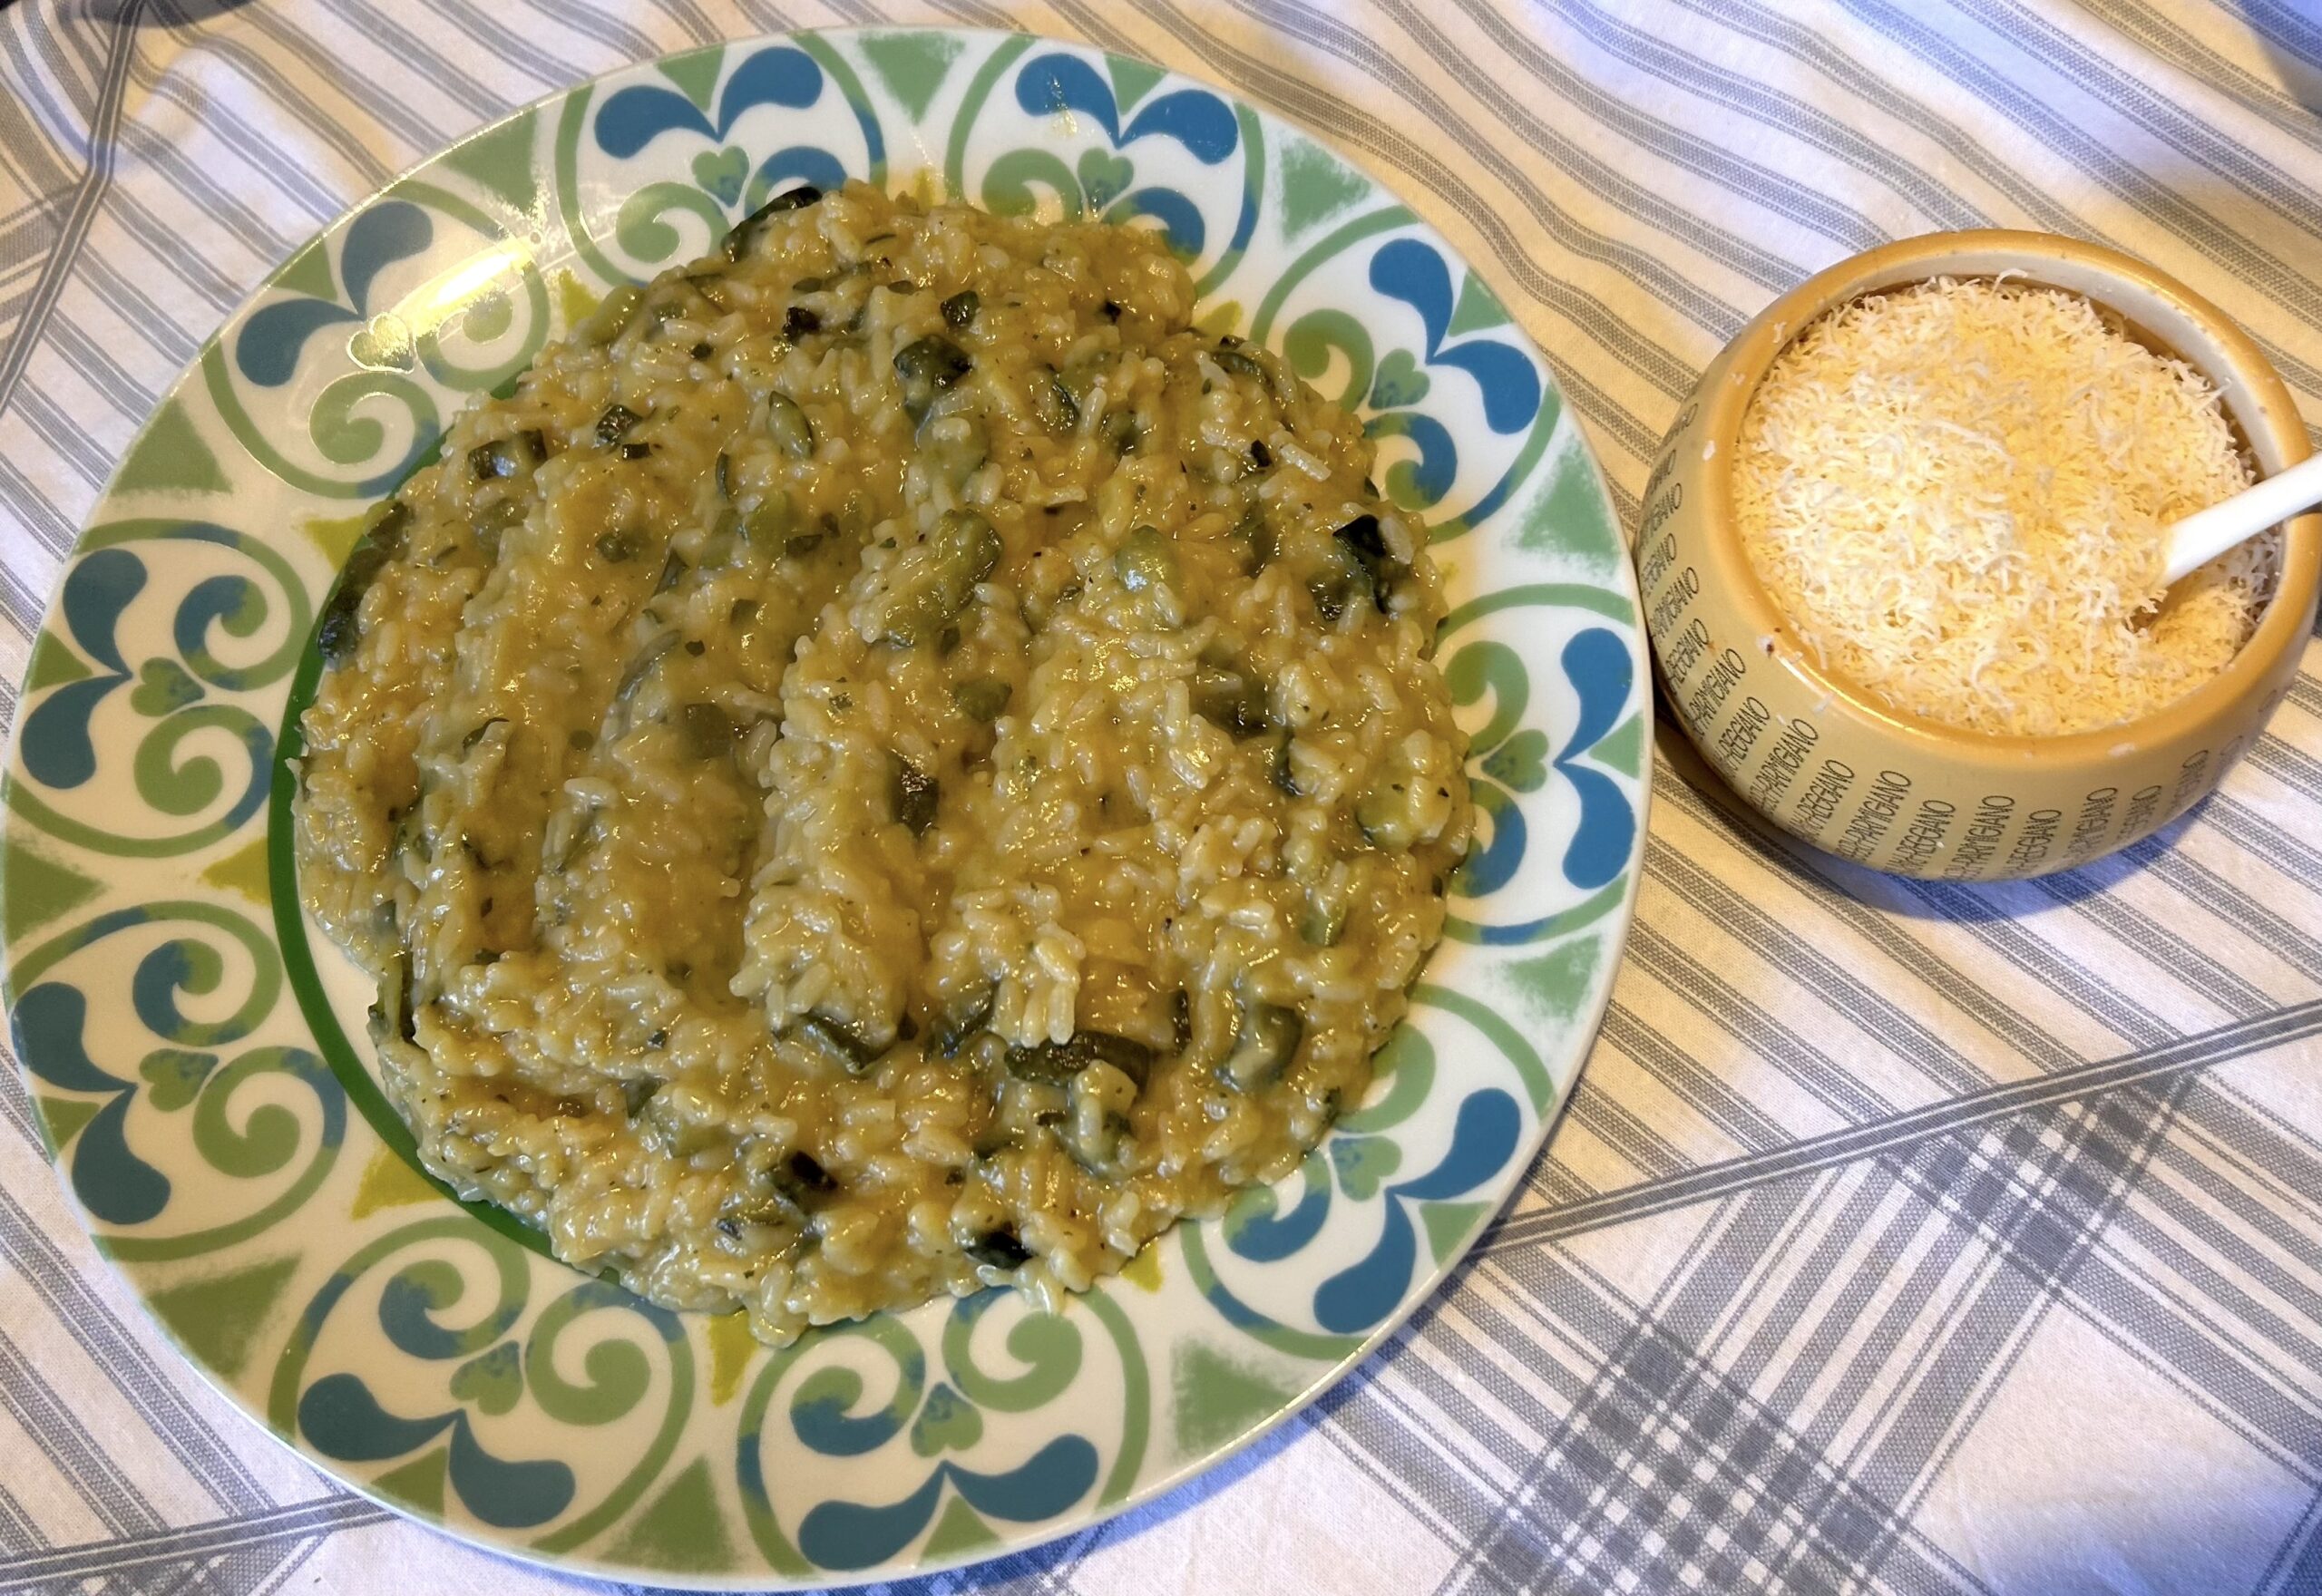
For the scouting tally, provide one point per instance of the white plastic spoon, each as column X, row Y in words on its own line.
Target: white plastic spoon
column 2205, row 534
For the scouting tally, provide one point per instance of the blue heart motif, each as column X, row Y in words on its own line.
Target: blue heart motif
column 384, row 345
column 1512, row 762
column 1104, row 177
column 174, row 1076
column 493, row 1381
column 1194, row 118
column 1520, row 763
column 1364, row 1163
column 344, row 1420
column 722, row 173
column 163, row 688
column 1596, row 662
column 1483, row 1139
column 270, row 343
column 948, row 1422
column 1400, row 382
column 1414, row 273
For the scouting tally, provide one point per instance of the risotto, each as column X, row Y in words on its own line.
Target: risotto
column 888, row 764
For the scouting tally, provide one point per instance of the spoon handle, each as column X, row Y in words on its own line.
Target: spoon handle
column 2205, row 534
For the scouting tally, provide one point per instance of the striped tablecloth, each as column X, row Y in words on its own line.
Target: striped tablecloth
column 1899, row 1238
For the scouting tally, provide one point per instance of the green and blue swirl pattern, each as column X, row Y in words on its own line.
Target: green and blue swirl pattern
column 194, row 1055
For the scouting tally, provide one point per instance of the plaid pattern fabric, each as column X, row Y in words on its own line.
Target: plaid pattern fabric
column 1900, row 1238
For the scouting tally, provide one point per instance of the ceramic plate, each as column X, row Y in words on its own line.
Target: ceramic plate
column 197, row 1050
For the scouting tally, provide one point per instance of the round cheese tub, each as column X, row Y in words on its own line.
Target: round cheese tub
column 1824, row 760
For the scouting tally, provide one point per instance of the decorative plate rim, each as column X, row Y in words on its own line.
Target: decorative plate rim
column 1612, row 916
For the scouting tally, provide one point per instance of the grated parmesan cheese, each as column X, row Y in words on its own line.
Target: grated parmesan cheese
column 1958, row 492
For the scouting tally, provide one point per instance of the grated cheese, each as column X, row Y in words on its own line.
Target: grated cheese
column 1956, row 492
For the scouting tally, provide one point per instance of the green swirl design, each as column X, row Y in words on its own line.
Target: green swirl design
column 1136, row 1395
column 580, row 1373
column 643, row 233
column 170, row 784
column 831, row 1392
column 1012, row 185
column 344, row 437
column 205, row 969
column 476, row 379
column 161, row 782
column 1538, row 1085
column 823, row 1409
column 50, row 1035
column 1045, row 1344
column 1254, row 187
column 1384, row 220
column 1316, row 336
column 571, row 120
column 972, row 104
column 264, row 1142
column 1406, row 1063
column 619, row 1377
column 1487, row 666
column 426, row 1288
column 262, row 1145
column 452, row 373
column 183, row 787
column 1309, row 1344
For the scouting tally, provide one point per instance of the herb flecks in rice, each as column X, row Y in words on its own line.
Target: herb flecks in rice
column 850, row 806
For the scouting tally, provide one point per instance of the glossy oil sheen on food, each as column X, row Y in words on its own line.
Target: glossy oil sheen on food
column 890, row 764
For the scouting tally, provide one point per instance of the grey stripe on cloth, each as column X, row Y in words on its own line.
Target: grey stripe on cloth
column 2282, row 1030
column 123, row 1357
column 48, row 1570
column 1898, row 1238
column 73, row 227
